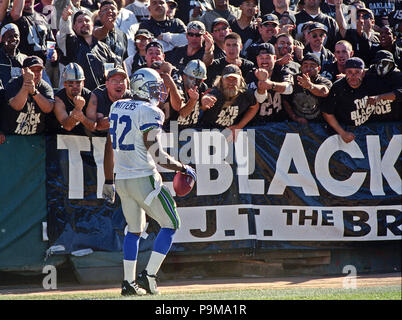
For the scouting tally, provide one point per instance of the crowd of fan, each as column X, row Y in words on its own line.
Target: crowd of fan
column 224, row 65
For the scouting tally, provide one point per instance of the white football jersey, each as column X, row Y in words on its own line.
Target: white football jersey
column 129, row 120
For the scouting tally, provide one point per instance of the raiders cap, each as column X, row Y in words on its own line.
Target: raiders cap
column 311, row 57
column 269, row 18
column 383, row 55
column 155, row 44
column 196, row 25
column 265, row 48
column 231, row 70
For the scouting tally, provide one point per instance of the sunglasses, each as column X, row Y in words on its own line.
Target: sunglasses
column 116, row 82
column 192, row 34
column 315, row 35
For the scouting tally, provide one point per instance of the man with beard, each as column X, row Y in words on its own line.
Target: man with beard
column 29, row 99
column 229, row 104
column 11, row 58
column 194, row 88
column 285, row 54
column 343, row 51
column 83, row 48
column 269, row 82
column 101, row 99
column 170, row 32
column 71, row 102
column 388, row 92
column 108, row 33
column 348, row 103
column 309, row 88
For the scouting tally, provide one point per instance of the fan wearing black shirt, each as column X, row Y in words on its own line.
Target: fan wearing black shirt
column 232, row 46
column 348, row 101
column 229, row 104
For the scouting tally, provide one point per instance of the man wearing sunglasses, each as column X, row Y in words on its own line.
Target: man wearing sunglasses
column 315, row 44
column 200, row 46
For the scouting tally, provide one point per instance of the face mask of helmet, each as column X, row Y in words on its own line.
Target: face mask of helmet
column 192, row 82
column 383, row 67
column 157, row 92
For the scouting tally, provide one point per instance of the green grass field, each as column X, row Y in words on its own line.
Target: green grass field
column 364, row 293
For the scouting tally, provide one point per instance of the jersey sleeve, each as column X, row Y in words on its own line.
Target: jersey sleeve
column 151, row 119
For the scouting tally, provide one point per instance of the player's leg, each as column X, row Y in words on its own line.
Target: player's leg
column 163, row 210
column 135, row 218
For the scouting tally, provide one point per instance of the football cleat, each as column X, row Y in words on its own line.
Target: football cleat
column 131, row 289
column 148, row 282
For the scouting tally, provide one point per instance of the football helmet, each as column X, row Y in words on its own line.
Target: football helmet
column 197, row 69
column 147, row 84
column 73, row 72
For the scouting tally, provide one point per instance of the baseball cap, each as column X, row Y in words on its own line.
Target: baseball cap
column 172, row 2
column 155, row 44
column 196, row 25
column 269, row 18
column 265, row 48
column 231, row 70
column 366, row 10
column 317, row 26
column 383, row 55
column 115, row 71
column 354, row 63
column 219, row 20
column 290, row 16
column 144, row 33
column 32, row 61
column 311, row 57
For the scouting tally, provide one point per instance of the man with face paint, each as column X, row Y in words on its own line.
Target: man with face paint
column 387, row 95
column 284, row 50
column 193, row 88
column 348, row 101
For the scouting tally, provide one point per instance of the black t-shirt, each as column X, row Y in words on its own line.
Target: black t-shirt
column 271, row 110
column 330, row 71
column 34, row 32
column 217, row 66
column 304, row 104
column 222, row 117
column 31, row 119
column 248, row 35
column 116, row 40
column 363, row 47
column 348, row 105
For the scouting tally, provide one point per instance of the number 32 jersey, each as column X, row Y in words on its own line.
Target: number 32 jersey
column 129, row 121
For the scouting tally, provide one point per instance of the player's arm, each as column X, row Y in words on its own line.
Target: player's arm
column 109, row 190
column 162, row 158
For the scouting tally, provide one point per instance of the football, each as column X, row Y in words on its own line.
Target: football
column 182, row 184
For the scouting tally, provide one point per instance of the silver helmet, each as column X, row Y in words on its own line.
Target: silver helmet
column 73, row 72
column 147, row 84
column 197, row 69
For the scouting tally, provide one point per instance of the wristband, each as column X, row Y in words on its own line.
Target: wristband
column 108, row 181
column 260, row 97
